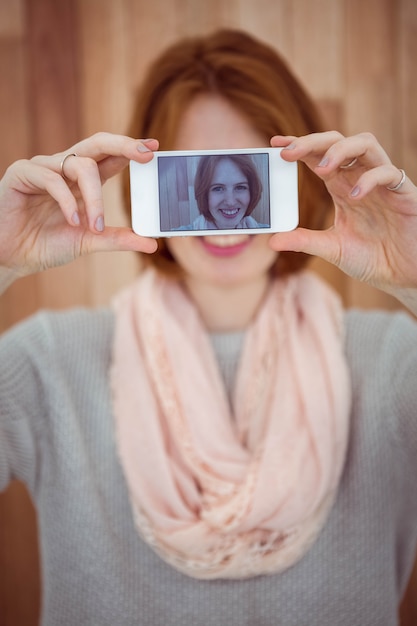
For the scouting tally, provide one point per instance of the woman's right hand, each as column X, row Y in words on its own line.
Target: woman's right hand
column 48, row 220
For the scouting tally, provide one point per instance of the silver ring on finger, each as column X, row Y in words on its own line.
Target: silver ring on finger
column 70, row 154
column 348, row 165
column 400, row 184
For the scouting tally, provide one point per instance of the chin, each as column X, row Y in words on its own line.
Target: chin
column 224, row 260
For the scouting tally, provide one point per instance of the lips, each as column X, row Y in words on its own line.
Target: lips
column 225, row 245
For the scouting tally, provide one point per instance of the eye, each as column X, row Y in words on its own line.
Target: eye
column 242, row 187
column 217, row 188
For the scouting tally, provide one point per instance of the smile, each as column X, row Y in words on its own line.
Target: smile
column 229, row 212
column 225, row 245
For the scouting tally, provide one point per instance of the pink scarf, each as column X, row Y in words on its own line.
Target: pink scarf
column 220, row 495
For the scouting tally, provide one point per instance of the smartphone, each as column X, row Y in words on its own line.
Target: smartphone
column 214, row 192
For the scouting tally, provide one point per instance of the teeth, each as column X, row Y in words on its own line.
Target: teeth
column 225, row 241
column 230, row 211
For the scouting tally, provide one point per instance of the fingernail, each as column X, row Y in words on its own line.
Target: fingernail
column 143, row 148
column 291, row 146
column 324, row 162
column 355, row 191
column 99, row 225
column 75, row 218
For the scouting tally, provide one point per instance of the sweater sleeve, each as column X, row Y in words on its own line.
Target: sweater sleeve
column 401, row 354
column 49, row 366
column 22, row 352
column 382, row 351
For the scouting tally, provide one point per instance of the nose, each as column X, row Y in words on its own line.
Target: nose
column 230, row 197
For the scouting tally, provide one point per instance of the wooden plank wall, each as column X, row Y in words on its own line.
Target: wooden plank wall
column 68, row 68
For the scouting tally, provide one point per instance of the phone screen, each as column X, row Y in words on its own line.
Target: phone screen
column 214, row 192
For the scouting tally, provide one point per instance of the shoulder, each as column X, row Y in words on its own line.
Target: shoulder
column 200, row 223
column 250, row 222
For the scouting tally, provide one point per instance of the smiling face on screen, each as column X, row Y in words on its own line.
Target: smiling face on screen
column 229, row 195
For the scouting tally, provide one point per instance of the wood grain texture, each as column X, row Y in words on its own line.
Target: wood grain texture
column 70, row 68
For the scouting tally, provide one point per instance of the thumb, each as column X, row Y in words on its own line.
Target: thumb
column 321, row 243
column 114, row 239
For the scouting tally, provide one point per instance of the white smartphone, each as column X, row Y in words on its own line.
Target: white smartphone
column 214, row 191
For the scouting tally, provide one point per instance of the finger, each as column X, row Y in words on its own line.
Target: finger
column 119, row 240
column 90, row 174
column 362, row 148
column 321, row 243
column 112, row 165
column 85, row 173
column 29, row 178
column 383, row 176
column 281, row 141
column 111, row 152
column 101, row 145
column 327, row 152
column 310, row 148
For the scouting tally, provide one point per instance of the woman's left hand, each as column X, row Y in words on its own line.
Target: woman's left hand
column 374, row 235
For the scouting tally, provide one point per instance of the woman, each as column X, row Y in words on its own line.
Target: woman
column 227, row 191
column 225, row 419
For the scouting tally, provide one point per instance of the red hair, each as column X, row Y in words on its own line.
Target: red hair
column 254, row 79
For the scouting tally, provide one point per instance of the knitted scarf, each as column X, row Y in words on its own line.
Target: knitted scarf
column 221, row 492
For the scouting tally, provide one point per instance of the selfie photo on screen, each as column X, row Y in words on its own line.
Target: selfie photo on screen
column 214, row 192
